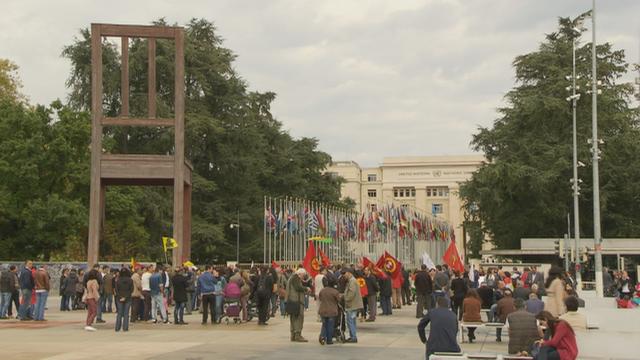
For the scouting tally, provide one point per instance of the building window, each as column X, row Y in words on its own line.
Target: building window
column 373, row 207
column 372, row 193
column 438, row 191
column 332, row 174
column 404, row 192
column 372, row 177
column 436, row 209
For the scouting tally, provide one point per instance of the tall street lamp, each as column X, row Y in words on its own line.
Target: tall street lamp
column 237, row 227
column 597, row 236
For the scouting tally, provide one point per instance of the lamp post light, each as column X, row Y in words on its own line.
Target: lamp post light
column 237, row 227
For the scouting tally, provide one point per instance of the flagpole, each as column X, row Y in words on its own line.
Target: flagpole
column 264, row 231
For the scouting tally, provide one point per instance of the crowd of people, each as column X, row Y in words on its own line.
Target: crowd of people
column 344, row 295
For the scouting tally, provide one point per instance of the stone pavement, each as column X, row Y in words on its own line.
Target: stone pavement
column 394, row 337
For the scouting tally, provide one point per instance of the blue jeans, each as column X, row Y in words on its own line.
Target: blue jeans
column 25, row 307
column 157, row 304
column 99, row 306
column 122, row 318
column 491, row 315
column 385, row 304
column 306, row 302
column 327, row 329
column 41, row 303
column 64, row 303
column 218, row 307
column 108, row 303
column 283, row 303
column 178, row 313
column 5, row 301
column 352, row 316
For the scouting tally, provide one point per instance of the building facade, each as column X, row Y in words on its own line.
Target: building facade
column 429, row 184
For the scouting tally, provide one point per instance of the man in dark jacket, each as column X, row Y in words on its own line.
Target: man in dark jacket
column 406, row 287
column 68, row 289
column 444, row 329
column 26, row 285
column 424, row 291
column 372, row 293
column 7, row 285
column 264, row 288
column 504, row 307
column 385, row 294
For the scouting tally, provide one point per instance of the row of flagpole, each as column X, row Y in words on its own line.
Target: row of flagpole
column 345, row 235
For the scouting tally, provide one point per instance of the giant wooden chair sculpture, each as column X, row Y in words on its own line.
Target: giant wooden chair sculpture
column 130, row 169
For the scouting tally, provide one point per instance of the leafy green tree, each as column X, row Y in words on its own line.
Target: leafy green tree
column 238, row 149
column 10, row 82
column 523, row 190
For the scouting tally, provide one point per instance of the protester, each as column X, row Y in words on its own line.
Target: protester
column 523, row 329
column 156, row 287
column 263, row 292
column 471, row 311
column 26, row 285
column 295, row 304
column 505, row 307
column 406, row 287
column 180, row 284
column 206, row 288
column 562, row 344
column 459, row 288
column 123, row 289
column 577, row 320
column 329, row 300
column 372, row 293
column 396, row 291
column 424, row 290
column 353, row 303
column 42, row 286
column 91, row 298
column 556, row 292
column 137, row 304
column 444, row 329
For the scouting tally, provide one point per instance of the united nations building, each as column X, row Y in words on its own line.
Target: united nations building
column 429, row 184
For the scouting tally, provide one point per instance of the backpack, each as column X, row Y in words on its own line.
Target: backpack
column 262, row 286
column 491, row 281
column 232, row 291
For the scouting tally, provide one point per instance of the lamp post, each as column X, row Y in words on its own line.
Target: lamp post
column 237, row 227
column 597, row 236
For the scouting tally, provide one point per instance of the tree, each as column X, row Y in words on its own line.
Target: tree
column 238, row 149
column 10, row 82
column 523, row 190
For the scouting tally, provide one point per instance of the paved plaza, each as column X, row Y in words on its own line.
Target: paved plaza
column 62, row 337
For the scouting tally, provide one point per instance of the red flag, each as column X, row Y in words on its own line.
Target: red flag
column 374, row 269
column 324, row 258
column 274, row 264
column 364, row 291
column 452, row 258
column 389, row 263
column 310, row 261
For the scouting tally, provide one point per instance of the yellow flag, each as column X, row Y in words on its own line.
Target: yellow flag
column 187, row 264
column 169, row 243
column 133, row 263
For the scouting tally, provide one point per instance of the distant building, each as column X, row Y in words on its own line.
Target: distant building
column 427, row 183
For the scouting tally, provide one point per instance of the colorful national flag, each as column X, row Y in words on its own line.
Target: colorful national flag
column 452, row 258
column 169, row 243
column 390, row 264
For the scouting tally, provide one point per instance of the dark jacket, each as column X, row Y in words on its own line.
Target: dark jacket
column 423, row 283
column 69, row 284
column 123, row 288
column 523, row 331
column 534, row 306
column 7, row 282
column 521, row 293
column 459, row 288
column 372, row 285
column 180, row 284
column 505, row 307
column 443, row 333
column 385, row 287
column 329, row 299
column 26, row 280
column 486, row 294
column 405, row 276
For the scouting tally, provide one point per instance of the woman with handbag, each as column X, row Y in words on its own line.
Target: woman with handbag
column 296, row 292
column 123, row 291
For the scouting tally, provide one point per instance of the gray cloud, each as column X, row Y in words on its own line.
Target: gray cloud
column 368, row 78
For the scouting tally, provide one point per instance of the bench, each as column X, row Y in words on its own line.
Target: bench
column 515, row 357
column 448, row 356
column 467, row 325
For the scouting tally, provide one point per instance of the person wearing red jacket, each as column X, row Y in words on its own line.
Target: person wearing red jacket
column 562, row 345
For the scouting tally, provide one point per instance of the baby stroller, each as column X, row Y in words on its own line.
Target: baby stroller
column 340, row 325
column 231, row 304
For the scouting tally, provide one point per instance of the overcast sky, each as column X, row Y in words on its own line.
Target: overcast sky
column 369, row 79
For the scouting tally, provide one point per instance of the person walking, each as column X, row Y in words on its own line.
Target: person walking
column 42, row 286
column 296, row 291
column 459, row 288
column 444, row 329
column 180, row 284
column 353, row 304
column 91, row 299
column 157, row 295
column 471, row 306
column 263, row 294
column 330, row 298
column 123, row 291
column 63, row 298
column 556, row 292
column 424, row 291
column 396, row 292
